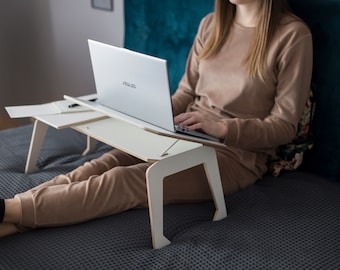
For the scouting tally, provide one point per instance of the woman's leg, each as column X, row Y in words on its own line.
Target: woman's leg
column 92, row 169
column 192, row 185
column 96, row 166
column 114, row 191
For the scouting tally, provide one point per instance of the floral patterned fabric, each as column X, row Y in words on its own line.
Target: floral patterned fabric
column 290, row 156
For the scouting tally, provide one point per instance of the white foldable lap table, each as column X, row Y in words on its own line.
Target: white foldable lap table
column 168, row 155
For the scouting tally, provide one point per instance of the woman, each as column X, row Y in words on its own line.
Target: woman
column 246, row 82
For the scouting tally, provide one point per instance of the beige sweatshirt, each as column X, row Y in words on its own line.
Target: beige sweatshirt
column 259, row 115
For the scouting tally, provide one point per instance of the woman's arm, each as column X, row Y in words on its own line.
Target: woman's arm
column 292, row 90
column 185, row 94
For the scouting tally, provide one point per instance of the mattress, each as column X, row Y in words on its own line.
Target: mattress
column 289, row 222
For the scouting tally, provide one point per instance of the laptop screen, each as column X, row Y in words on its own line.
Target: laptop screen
column 132, row 83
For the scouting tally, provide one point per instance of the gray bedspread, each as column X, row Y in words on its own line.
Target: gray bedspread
column 290, row 222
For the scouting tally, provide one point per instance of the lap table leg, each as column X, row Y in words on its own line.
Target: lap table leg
column 172, row 164
column 38, row 137
column 91, row 144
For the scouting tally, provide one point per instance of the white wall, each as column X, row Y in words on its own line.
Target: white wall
column 43, row 47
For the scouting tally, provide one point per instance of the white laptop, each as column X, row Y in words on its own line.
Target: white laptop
column 135, row 87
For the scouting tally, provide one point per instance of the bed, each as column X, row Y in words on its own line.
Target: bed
column 286, row 222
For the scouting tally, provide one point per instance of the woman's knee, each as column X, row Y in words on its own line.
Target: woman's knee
column 129, row 177
column 130, row 183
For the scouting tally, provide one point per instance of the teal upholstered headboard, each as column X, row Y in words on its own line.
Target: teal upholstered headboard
column 166, row 28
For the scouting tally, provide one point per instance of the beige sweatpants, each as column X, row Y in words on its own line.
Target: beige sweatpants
column 114, row 183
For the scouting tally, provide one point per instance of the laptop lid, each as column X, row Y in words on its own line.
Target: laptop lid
column 132, row 83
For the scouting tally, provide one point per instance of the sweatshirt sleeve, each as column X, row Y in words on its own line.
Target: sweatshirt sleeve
column 294, row 69
column 185, row 93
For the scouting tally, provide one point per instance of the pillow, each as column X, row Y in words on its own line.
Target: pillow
column 290, row 156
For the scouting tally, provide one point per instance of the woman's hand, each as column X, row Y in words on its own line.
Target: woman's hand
column 197, row 121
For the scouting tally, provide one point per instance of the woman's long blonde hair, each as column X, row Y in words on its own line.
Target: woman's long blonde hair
column 269, row 18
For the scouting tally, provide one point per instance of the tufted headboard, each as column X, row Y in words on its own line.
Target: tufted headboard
column 166, row 29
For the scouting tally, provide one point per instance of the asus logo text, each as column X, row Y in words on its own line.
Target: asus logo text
column 131, row 85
